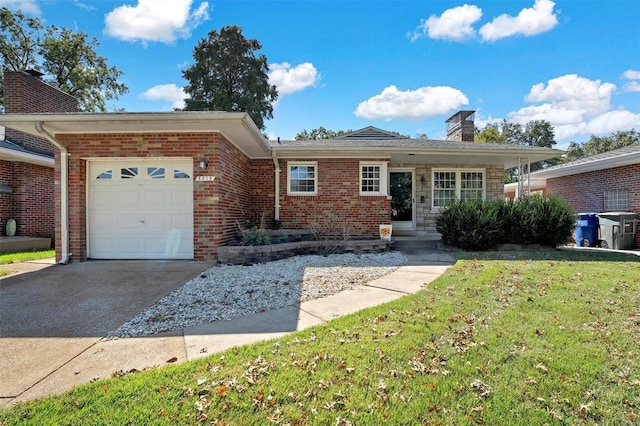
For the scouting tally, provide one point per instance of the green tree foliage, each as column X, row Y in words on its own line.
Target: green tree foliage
column 490, row 134
column 538, row 133
column 599, row 144
column 66, row 57
column 228, row 75
column 319, row 134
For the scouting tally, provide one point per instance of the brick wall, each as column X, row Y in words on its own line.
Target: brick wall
column 28, row 94
column 218, row 206
column 338, row 202
column 31, row 202
column 585, row 191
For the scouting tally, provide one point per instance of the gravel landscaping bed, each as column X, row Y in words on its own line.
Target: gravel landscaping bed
column 225, row 292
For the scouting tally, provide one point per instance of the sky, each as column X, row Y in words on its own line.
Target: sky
column 403, row 66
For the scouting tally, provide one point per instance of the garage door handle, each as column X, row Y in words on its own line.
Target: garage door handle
column 142, row 221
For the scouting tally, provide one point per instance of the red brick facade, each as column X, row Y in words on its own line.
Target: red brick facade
column 585, row 191
column 241, row 196
column 219, row 207
column 31, row 203
column 338, row 203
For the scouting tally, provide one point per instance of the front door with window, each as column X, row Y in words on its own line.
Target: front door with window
column 402, row 199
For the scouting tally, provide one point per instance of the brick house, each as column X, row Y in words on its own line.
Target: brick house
column 607, row 182
column 27, row 161
column 181, row 184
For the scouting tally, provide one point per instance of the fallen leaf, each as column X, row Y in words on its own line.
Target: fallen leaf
column 174, row 359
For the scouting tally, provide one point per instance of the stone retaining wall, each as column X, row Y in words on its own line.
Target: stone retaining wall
column 246, row 255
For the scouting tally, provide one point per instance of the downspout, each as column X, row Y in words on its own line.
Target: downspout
column 276, row 206
column 64, row 190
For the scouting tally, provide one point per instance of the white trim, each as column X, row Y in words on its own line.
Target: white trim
column 383, row 184
column 291, row 164
column 458, row 172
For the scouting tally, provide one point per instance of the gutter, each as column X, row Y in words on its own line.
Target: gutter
column 64, row 190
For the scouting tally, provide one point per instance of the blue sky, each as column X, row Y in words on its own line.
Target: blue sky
column 403, row 66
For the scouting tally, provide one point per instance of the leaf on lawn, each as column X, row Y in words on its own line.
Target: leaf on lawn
column 222, row 391
column 542, row 367
column 481, row 388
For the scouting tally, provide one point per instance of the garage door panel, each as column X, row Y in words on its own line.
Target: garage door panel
column 127, row 222
column 128, row 197
column 156, row 197
column 146, row 213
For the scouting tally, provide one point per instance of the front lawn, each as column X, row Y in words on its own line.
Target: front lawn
column 537, row 338
column 6, row 258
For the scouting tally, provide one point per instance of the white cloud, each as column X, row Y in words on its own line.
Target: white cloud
column 293, row 79
column 411, row 104
column 575, row 106
column 530, row 21
column 167, row 92
column 454, row 24
column 631, row 75
column 28, row 7
column 633, row 86
column 155, row 20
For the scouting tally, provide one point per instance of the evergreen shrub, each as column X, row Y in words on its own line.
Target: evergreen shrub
column 481, row 225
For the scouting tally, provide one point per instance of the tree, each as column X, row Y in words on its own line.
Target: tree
column 228, row 75
column 599, row 144
column 66, row 57
column 490, row 134
column 319, row 134
column 539, row 133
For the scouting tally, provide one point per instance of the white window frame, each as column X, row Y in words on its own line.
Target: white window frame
column 382, row 188
column 458, row 181
column 292, row 164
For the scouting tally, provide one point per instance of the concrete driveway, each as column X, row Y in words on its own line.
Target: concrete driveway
column 61, row 310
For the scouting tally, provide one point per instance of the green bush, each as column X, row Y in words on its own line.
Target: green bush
column 256, row 237
column 481, row 225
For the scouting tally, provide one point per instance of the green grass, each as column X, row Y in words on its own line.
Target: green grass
column 514, row 338
column 6, row 258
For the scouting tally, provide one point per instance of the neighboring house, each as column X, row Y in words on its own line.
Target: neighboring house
column 27, row 162
column 181, row 184
column 600, row 183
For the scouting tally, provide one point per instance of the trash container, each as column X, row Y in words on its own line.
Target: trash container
column 618, row 230
column 586, row 230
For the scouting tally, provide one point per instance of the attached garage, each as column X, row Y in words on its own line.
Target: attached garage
column 140, row 208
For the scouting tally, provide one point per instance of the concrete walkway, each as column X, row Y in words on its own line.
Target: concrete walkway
column 35, row 367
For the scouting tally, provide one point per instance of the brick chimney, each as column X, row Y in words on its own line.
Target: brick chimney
column 460, row 126
column 25, row 92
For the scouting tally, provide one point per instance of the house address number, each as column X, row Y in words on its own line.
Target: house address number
column 205, row 178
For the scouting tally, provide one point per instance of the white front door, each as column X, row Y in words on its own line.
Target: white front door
column 401, row 190
column 140, row 209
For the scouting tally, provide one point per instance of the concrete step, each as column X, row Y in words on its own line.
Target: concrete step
column 401, row 242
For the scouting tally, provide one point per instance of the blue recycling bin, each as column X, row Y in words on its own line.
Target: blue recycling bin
column 586, row 230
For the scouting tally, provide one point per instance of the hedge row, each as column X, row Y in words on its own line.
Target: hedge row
column 481, row 225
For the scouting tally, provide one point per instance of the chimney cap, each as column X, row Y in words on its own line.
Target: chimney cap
column 34, row 73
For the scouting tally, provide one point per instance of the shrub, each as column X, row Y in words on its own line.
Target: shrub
column 256, row 237
column 470, row 225
column 480, row 225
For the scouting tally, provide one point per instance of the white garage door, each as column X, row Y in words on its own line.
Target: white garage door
column 140, row 209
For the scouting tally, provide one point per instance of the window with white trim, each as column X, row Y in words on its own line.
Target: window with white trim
column 373, row 178
column 302, row 178
column 457, row 184
column 616, row 200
